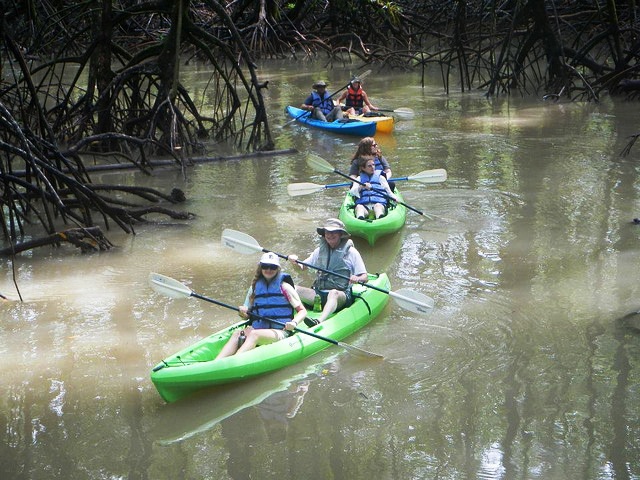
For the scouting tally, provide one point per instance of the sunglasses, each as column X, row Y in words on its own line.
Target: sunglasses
column 267, row 266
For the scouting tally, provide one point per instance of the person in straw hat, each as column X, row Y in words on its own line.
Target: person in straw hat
column 321, row 105
column 336, row 253
column 272, row 296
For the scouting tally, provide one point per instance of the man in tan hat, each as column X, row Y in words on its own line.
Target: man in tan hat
column 321, row 105
column 336, row 253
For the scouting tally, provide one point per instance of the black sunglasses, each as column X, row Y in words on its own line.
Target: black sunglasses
column 268, row 266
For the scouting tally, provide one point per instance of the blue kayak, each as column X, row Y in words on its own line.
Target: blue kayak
column 346, row 126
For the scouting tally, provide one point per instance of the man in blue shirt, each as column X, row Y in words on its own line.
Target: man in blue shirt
column 321, row 105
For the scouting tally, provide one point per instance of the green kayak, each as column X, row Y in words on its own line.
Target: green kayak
column 194, row 368
column 372, row 229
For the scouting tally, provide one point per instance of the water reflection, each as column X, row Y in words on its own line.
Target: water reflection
column 527, row 368
column 277, row 397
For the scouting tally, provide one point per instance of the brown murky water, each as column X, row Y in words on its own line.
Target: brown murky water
column 526, row 368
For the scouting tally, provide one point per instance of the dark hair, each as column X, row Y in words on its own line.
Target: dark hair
column 364, row 147
column 362, row 161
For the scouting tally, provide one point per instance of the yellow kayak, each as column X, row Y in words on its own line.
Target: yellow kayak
column 384, row 124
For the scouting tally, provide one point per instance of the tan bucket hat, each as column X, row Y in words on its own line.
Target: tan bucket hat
column 332, row 225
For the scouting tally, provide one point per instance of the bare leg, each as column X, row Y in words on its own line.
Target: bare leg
column 335, row 299
column 307, row 294
column 231, row 347
column 378, row 209
column 360, row 211
column 255, row 337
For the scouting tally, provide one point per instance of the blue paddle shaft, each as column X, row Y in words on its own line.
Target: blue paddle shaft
column 383, row 194
column 338, row 185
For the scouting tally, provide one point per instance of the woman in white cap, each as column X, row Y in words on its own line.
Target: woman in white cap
column 320, row 104
column 271, row 296
column 336, row 253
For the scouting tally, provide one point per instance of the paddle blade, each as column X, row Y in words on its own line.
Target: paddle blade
column 411, row 300
column 319, row 164
column 360, row 352
column 363, row 75
column 405, row 113
column 240, row 242
column 168, row 286
column 297, row 189
column 437, row 175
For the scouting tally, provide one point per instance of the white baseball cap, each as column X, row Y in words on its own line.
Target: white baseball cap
column 270, row 258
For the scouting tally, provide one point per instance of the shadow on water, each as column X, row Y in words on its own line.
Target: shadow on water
column 630, row 321
column 204, row 410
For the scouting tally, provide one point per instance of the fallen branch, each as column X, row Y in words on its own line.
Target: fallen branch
column 88, row 239
column 172, row 162
column 627, row 149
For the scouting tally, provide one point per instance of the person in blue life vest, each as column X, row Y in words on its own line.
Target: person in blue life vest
column 355, row 99
column 272, row 295
column 320, row 104
column 368, row 146
column 336, row 253
column 375, row 193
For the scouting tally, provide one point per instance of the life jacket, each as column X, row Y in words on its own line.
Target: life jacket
column 270, row 302
column 377, row 192
column 325, row 104
column 354, row 97
column 333, row 260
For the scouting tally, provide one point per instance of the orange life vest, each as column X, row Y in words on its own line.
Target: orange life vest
column 354, row 97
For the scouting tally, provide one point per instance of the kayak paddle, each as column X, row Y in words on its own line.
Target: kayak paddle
column 406, row 298
column 401, row 112
column 174, row 289
column 303, row 114
column 361, row 76
column 320, row 164
column 427, row 176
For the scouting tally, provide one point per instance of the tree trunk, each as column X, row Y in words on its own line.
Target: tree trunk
column 102, row 74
